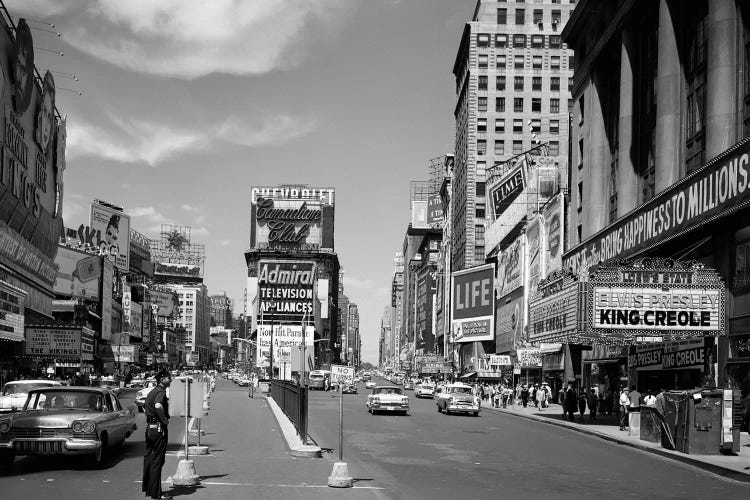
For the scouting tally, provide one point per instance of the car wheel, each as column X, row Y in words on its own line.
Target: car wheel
column 476, row 413
column 97, row 459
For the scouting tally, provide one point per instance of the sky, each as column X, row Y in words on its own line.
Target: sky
column 186, row 104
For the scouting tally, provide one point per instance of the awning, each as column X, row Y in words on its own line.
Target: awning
column 550, row 348
column 11, row 336
column 468, row 375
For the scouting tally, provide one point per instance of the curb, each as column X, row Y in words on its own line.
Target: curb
column 677, row 456
column 293, row 441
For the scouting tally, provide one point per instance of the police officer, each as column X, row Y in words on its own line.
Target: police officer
column 156, row 407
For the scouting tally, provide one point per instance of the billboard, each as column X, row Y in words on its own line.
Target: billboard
column 435, row 215
column 166, row 300
column 112, row 234
column 534, row 251
column 58, row 342
column 419, row 214
column 554, row 217
column 78, row 274
column 553, row 311
column 12, row 301
column 136, row 319
column 473, row 304
column 508, row 188
column 291, row 216
column 286, row 290
column 108, row 277
column 509, row 324
column 283, row 337
column 174, row 254
column 509, row 274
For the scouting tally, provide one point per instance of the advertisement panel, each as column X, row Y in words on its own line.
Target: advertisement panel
column 718, row 189
column 107, row 287
column 174, row 254
column 553, row 311
column 553, row 216
column 118, row 353
column 12, row 302
column 529, row 358
column 509, row 325
column 661, row 298
column 136, row 319
column 419, row 214
column 533, row 248
column 291, row 217
column 112, row 230
column 51, row 341
column 473, row 304
column 669, row 355
column 167, row 301
column 508, row 188
column 286, row 290
column 78, row 274
column 435, row 215
column 284, row 336
column 510, row 268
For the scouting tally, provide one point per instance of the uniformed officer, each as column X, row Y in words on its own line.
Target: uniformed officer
column 156, row 407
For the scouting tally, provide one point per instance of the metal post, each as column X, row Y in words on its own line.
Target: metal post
column 187, row 414
column 341, row 421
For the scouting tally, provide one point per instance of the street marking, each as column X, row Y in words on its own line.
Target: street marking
column 214, row 483
column 106, row 480
column 50, row 480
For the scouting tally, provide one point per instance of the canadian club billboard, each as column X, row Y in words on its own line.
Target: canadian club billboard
column 473, row 304
column 285, row 288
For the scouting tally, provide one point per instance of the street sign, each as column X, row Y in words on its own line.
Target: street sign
column 342, row 374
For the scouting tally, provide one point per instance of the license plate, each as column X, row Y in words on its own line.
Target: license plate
column 390, row 408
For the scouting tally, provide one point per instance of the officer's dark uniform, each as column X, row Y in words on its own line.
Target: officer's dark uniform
column 156, row 439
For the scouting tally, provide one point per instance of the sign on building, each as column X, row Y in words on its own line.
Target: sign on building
column 473, row 304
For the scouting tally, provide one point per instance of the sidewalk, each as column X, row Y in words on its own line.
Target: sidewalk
column 607, row 427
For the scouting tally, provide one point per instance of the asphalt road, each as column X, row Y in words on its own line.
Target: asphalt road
column 435, row 456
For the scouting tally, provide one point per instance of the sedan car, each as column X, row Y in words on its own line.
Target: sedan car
column 408, row 385
column 387, row 398
column 458, row 398
column 370, row 384
column 14, row 393
column 424, row 391
column 349, row 389
column 140, row 396
column 66, row 421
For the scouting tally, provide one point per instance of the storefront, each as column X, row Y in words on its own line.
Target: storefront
column 676, row 365
column 605, row 369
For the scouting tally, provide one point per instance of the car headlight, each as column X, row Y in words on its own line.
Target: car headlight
column 4, row 426
column 405, row 401
column 84, row 426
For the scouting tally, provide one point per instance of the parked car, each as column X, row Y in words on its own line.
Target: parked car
column 14, row 393
column 387, row 398
column 243, row 382
column 66, row 421
column 370, row 384
column 424, row 391
column 458, row 398
column 408, row 385
column 137, row 383
column 140, row 396
column 350, row 389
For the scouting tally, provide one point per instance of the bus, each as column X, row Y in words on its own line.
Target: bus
column 317, row 379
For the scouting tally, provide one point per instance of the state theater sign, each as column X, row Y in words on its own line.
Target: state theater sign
column 651, row 300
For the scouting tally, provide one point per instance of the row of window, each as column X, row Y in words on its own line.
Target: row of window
column 535, row 126
column 537, row 16
column 554, row 147
column 519, row 105
column 519, row 62
column 520, row 41
column 520, row 81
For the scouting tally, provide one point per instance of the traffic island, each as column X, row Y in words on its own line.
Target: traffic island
column 293, row 440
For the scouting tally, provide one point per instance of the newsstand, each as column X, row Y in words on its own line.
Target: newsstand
column 703, row 421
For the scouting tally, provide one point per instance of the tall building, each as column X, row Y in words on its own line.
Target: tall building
column 353, row 340
column 385, row 346
column 221, row 310
column 660, row 170
column 195, row 318
column 397, row 302
column 512, row 86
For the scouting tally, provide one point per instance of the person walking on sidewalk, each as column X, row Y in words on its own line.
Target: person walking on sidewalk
column 156, row 407
column 540, row 396
column 624, row 408
column 593, row 402
column 525, row 395
column 582, row 406
column 571, row 402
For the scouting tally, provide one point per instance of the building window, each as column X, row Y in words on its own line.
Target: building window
column 555, row 42
column 501, row 41
column 554, row 127
column 536, row 83
column 554, row 84
column 518, row 126
column 518, row 83
column 502, row 16
column 613, row 189
column 571, row 62
column 520, row 16
column 537, row 41
column 481, row 169
column 518, row 62
column 479, row 235
column 536, row 105
column 500, row 125
column 554, row 105
column 554, row 148
column 570, row 84
column 482, row 81
column 481, row 147
column 499, row 147
column 500, row 82
column 536, row 62
column 483, row 61
column 481, row 124
column 519, row 41
column 500, row 104
column 517, row 147
column 480, row 210
column 483, row 40
column 536, row 126
column 538, row 16
column 481, row 104
column 480, row 189
column 500, row 61
column 554, row 63
column 518, row 104
column 479, row 254
column 696, row 97
column 556, row 17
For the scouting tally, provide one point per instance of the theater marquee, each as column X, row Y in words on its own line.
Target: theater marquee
column 670, row 299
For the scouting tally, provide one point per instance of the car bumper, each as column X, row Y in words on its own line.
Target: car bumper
column 51, row 446
column 383, row 407
column 463, row 408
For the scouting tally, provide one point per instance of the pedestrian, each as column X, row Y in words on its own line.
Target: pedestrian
column 540, row 395
column 570, row 401
column 533, row 396
column 525, row 395
column 593, row 403
column 650, row 399
column 156, row 407
column 582, row 405
column 635, row 400
column 251, row 386
column 624, row 408
column 547, row 394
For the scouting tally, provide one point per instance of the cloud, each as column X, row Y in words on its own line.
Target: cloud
column 224, row 243
column 354, row 282
column 194, row 38
column 189, row 208
column 138, row 141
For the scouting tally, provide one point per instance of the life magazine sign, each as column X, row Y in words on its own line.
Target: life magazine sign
column 473, row 304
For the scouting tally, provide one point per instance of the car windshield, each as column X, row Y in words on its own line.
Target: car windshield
column 460, row 390
column 65, row 400
column 316, row 377
column 23, row 387
column 427, row 386
column 387, row 390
